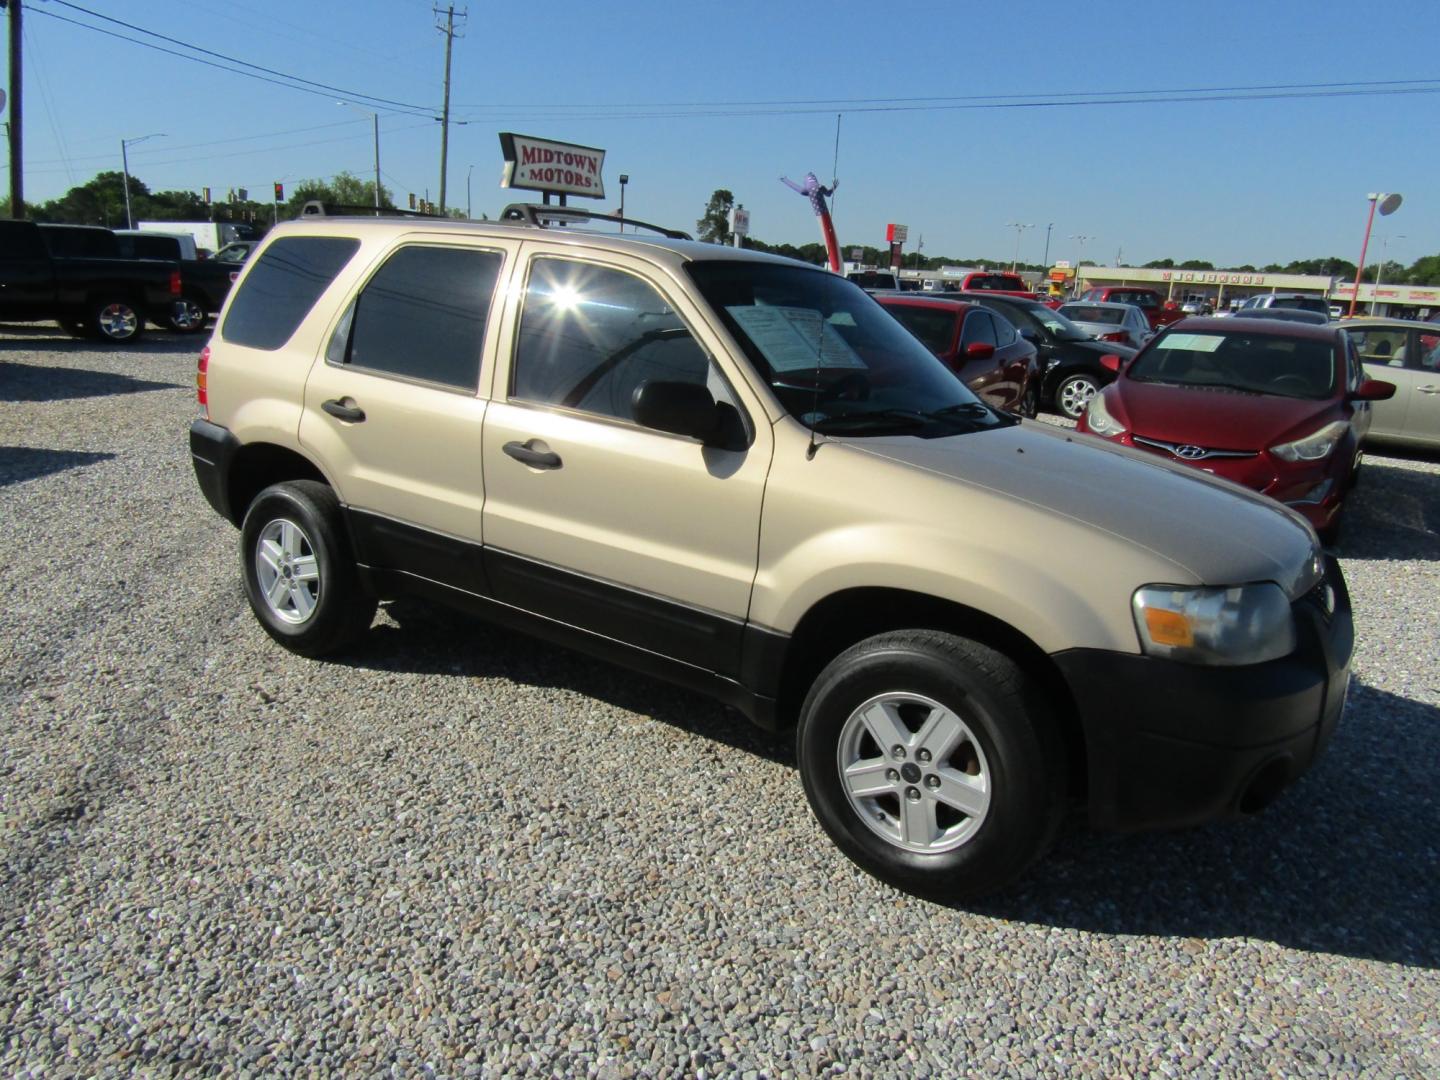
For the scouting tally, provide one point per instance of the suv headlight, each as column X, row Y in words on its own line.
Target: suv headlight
column 1314, row 447
column 1246, row 624
column 1099, row 420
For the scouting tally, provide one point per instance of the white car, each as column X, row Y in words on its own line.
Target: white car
column 1122, row 323
column 1408, row 355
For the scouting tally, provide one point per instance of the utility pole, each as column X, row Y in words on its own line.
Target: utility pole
column 449, row 31
column 17, row 170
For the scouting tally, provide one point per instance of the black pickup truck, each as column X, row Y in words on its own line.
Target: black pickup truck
column 77, row 277
column 204, row 283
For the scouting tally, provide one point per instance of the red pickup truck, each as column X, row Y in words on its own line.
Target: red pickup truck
column 1003, row 284
column 1147, row 300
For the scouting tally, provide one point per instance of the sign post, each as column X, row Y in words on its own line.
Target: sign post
column 554, row 168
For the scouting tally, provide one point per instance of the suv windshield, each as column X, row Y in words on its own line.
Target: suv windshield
column 836, row 360
column 1251, row 363
column 995, row 282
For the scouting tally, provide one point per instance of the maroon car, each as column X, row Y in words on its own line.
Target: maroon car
column 1157, row 311
column 980, row 346
column 1280, row 407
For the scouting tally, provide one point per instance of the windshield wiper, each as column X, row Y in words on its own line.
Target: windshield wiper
column 901, row 418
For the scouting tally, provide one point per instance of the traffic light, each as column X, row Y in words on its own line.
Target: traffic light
column 279, row 192
column 412, row 200
column 205, row 194
column 244, row 195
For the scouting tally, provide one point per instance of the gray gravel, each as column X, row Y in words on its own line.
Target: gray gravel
column 464, row 852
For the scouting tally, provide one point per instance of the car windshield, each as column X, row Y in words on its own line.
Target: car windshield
column 1139, row 299
column 1056, row 324
column 1090, row 313
column 834, row 357
column 1251, row 363
column 996, row 282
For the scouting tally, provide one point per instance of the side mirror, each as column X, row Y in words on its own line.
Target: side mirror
column 1374, row 390
column 1112, row 362
column 979, row 350
column 688, row 409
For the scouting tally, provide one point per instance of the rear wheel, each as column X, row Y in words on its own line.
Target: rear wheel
column 115, row 320
column 188, row 317
column 299, row 571
column 1030, row 403
column 933, row 762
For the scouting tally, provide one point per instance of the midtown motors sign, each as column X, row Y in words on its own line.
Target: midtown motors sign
column 542, row 165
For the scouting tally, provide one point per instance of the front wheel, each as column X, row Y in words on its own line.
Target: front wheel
column 933, row 762
column 1030, row 403
column 299, row 572
column 1074, row 394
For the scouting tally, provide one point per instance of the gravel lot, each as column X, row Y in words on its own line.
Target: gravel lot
column 460, row 851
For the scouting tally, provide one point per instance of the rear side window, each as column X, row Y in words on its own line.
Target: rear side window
column 934, row 328
column 282, row 287
column 20, row 240
column 422, row 316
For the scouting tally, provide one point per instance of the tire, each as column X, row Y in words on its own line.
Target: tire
column 299, row 571
column 1074, row 393
column 115, row 320
column 992, row 744
column 1030, row 403
column 188, row 317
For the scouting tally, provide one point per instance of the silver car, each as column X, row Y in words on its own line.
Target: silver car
column 1123, row 323
column 1408, row 355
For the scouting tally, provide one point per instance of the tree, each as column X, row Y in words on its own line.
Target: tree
column 714, row 227
column 1424, row 271
column 1196, row 264
column 1160, row 264
column 342, row 189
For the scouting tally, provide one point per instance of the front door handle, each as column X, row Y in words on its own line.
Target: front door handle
column 533, row 453
column 1428, row 389
column 341, row 411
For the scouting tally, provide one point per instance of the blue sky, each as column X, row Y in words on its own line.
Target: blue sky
column 1229, row 181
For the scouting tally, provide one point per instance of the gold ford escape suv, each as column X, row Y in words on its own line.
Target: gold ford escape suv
column 739, row 473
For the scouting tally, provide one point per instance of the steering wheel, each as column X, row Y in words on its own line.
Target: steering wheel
column 1293, row 382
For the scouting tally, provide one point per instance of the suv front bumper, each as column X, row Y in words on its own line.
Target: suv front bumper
column 1170, row 744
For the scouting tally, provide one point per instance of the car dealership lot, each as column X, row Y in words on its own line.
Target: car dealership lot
column 460, row 847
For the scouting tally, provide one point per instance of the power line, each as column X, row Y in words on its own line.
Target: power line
column 325, row 89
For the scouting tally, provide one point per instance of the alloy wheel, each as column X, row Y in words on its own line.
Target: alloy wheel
column 287, row 571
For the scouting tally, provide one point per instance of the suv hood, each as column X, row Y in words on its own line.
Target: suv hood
column 1219, row 532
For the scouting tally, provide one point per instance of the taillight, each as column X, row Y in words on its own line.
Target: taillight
column 174, row 282
column 1118, row 335
column 202, row 390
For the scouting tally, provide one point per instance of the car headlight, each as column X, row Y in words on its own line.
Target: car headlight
column 1314, row 447
column 1245, row 624
column 1099, row 420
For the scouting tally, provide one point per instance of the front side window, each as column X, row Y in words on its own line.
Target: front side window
column 591, row 337
column 283, row 286
column 1380, row 346
column 1004, row 333
column 422, row 316
column 833, row 357
column 1250, row 363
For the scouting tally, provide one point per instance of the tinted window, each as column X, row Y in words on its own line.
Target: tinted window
column 1124, row 296
column 978, row 329
column 1004, row 333
column 283, row 286
column 590, row 337
column 20, row 240
column 73, row 242
column 149, row 247
column 935, row 328
column 422, row 315
column 1003, row 282
column 1091, row 313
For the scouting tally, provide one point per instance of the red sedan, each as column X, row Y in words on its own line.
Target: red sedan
column 1280, row 407
column 980, row 346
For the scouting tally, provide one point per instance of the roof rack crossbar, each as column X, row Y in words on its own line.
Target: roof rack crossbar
column 538, row 214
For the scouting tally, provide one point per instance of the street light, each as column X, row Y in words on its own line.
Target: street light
column 125, row 165
column 624, row 179
column 1018, row 230
column 1046, row 260
column 1386, row 204
column 468, row 215
column 375, row 121
column 1078, row 260
column 1384, row 243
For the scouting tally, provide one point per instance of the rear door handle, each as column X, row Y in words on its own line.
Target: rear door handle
column 533, row 453
column 338, row 409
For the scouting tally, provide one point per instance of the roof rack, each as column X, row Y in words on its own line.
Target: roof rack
column 537, row 214
column 316, row 208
